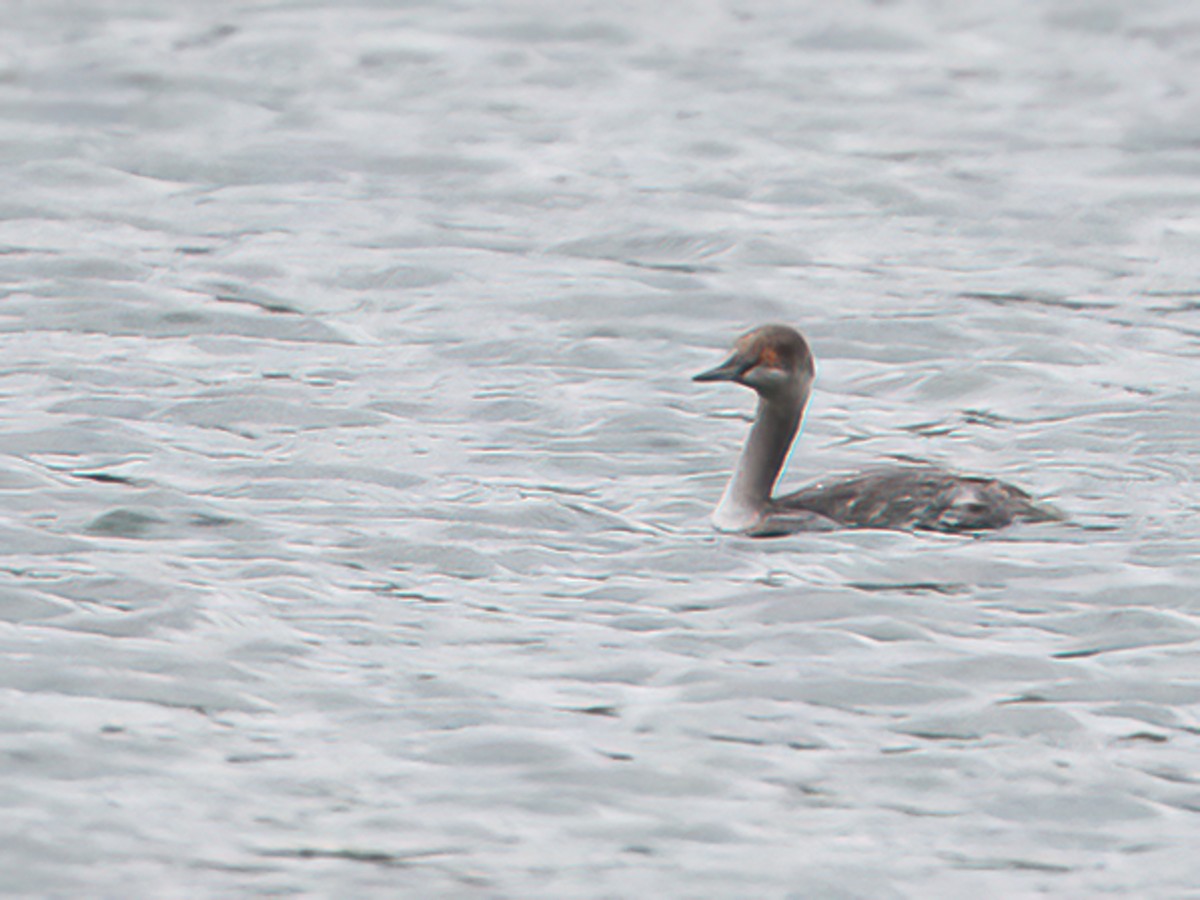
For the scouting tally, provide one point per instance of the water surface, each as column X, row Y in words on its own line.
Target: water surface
column 354, row 533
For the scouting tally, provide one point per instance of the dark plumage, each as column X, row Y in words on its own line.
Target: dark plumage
column 911, row 498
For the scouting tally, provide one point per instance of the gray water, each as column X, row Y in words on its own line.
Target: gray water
column 354, row 528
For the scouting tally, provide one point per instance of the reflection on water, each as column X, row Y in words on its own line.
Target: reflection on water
column 355, row 492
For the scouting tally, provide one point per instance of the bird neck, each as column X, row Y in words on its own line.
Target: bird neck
column 748, row 493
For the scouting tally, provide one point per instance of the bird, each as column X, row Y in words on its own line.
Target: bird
column 776, row 363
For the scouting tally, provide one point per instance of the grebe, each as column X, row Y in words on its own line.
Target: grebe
column 775, row 361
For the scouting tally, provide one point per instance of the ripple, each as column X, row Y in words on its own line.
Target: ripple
column 675, row 251
column 355, row 490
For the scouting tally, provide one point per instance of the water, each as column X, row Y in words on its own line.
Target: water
column 355, row 491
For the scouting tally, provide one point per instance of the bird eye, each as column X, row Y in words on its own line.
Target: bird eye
column 769, row 359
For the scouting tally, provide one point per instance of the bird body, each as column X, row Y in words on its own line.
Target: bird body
column 775, row 361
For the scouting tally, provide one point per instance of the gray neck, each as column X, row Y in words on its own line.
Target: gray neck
column 748, row 493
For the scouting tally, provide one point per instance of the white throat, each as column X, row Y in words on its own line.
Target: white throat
column 747, row 497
